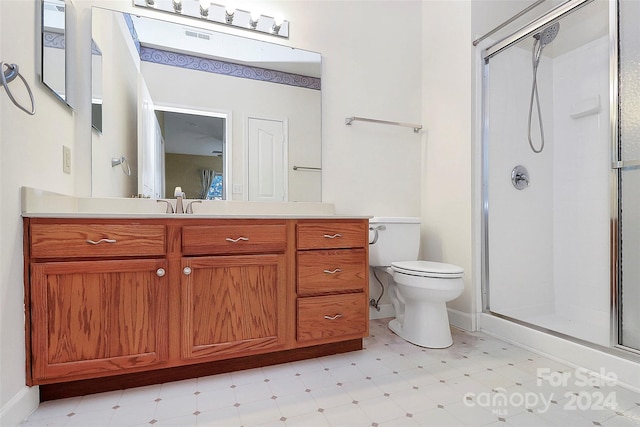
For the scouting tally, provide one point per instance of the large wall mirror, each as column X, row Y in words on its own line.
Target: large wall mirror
column 53, row 59
column 221, row 116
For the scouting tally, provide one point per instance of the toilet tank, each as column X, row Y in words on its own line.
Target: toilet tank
column 398, row 239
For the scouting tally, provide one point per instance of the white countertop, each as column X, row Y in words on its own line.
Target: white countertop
column 45, row 204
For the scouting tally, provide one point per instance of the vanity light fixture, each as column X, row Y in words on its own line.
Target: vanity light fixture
column 277, row 23
column 204, row 8
column 226, row 14
column 254, row 17
column 229, row 11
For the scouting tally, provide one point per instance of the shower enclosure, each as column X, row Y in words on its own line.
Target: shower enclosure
column 561, row 177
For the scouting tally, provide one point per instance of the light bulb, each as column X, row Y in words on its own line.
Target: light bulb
column 204, row 8
column 278, row 20
column 253, row 19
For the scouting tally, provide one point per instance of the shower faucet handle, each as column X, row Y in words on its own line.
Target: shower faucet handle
column 520, row 177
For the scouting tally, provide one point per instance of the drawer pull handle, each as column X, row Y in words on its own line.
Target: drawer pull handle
column 94, row 242
column 187, row 271
column 332, row 236
column 160, row 272
column 334, row 271
column 337, row 316
column 239, row 239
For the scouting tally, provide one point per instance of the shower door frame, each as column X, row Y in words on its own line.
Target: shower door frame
column 528, row 30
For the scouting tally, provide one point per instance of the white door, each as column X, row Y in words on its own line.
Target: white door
column 150, row 150
column 266, row 160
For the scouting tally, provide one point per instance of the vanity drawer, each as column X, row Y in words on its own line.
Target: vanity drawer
column 233, row 239
column 332, row 235
column 332, row 271
column 96, row 240
column 330, row 317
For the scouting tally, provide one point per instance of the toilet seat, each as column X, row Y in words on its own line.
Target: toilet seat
column 428, row 269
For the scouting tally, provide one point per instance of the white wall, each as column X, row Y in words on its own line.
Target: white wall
column 447, row 166
column 31, row 155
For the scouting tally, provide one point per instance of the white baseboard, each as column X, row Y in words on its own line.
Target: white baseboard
column 386, row 310
column 16, row 410
column 462, row 320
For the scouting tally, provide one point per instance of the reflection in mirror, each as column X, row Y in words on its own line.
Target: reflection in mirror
column 206, row 73
column 53, row 46
column 96, row 87
column 194, row 151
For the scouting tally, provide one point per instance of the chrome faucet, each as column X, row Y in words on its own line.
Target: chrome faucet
column 178, row 194
column 189, row 209
column 169, row 205
column 179, row 207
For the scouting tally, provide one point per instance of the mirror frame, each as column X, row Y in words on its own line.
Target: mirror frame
column 42, row 66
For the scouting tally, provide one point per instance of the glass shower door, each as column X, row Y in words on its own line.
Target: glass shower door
column 629, row 202
column 547, row 173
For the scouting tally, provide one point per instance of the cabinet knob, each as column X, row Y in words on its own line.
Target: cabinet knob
column 334, row 271
column 187, row 271
column 337, row 316
column 332, row 236
column 160, row 272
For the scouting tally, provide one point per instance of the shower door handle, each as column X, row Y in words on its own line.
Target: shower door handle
column 620, row 164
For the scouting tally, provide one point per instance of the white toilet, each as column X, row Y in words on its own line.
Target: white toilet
column 419, row 290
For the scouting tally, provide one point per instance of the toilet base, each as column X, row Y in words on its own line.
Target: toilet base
column 437, row 333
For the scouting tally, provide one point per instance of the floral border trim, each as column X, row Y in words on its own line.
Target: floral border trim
column 53, row 40
column 191, row 62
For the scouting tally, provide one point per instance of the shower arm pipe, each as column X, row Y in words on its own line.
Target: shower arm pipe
column 349, row 120
column 530, row 28
column 508, row 21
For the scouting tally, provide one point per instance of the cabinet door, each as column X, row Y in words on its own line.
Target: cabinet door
column 93, row 318
column 233, row 305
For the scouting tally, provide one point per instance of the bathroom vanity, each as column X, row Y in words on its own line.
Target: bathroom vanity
column 114, row 302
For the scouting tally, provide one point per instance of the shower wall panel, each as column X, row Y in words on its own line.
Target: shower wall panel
column 520, row 221
column 581, row 170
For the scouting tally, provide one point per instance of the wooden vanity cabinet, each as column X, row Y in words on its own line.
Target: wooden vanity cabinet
column 234, row 289
column 332, row 280
column 120, row 302
column 90, row 316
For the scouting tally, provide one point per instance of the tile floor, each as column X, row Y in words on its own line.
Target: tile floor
column 479, row 381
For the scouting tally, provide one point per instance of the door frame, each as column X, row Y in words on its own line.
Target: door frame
column 227, row 159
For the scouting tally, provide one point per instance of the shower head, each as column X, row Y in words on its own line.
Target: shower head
column 547, row 35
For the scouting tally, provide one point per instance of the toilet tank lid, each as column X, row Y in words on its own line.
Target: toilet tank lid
column 395, row 220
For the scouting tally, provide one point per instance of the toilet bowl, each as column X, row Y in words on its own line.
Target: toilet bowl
column 419, row 290
column 424, row 288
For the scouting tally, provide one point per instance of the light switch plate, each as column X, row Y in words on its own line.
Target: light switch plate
column 66, row 159
column 237, row 188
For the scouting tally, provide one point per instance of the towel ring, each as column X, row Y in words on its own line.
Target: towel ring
column 7, row 76
column 123, row 162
